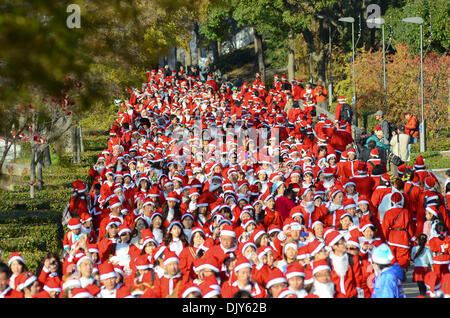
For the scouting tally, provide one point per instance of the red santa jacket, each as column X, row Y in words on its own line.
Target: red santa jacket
column 344, row 282
column 364, row 185
column 11, row 293
column 340, row 139
column 397, row 227
column 440, row 249
column 271, row 217
column 378, row 194
column 106, row 191
column 228, row 289
column 168, row 286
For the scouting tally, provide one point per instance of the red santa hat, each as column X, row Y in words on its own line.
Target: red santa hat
column 353, row 241
column 362, row 167
column 429, row 182
column 275, row 277
column 363, row 199
column 320, row 265
column 173, row 196
column 74, row 224
column 420, row 163
column 113, row 221
column 227, row 230
column 314, row 247
column 374, row 152
column 397, row 200
column 106, row 271
column 295, row 270
column 24, row 280
column 114, row 201
column 241, row 262
column 79, row 292
column 170, row 257
column 273, row 228
column 287, row 293
column 266, row 196
column 349, row 203
column 190, row 288
column 158, row 252
column 123, row 228
column 332, row 238
column 81, row 257
column 433, row 210
column 364, row 225
column 206, row 262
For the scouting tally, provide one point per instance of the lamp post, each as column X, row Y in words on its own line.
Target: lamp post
column 422, row 130
column 352, row 21
column 380, row 22
column 330, row 82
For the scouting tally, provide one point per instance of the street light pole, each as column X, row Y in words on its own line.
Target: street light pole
column 380, row 22
column 352, row 21
column 423, row 145
column 330, row 82
column 384, row 66
column 422, row 130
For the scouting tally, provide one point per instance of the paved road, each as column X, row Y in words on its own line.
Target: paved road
column 410, row 287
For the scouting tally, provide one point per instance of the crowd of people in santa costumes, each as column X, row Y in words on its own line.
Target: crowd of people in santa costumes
column 185, row 204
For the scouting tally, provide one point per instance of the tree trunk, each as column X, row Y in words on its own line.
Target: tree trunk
column 81, row 140
column 219, row 48
column 321, row 67
column 291, row 56
column 255, row 42
column 75, row 144
column 188, row 57
column 215, row 49
column 260, row 55
column 197, row 43
column 32, row 173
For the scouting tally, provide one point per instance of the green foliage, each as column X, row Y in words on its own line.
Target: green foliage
column 402, row 77
column 435, row 13
column 218, row 25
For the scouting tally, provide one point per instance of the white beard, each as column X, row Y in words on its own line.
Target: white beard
column 170, row 214
column 328, row 184
column 340, row 264
column 309, row 206
column 192, row 205
column 201, row 178
column 323, row 290
column 122, row 198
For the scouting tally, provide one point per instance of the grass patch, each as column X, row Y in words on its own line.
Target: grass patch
column 432, row 159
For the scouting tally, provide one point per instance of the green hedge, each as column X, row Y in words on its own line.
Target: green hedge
column 95, row 142
column 32, row 235
column 32, row 227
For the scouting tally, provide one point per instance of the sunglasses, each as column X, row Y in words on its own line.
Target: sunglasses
column 53, row 262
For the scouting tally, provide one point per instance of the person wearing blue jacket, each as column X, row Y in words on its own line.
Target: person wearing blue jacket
column 388, row 279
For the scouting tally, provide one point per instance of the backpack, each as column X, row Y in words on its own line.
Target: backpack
column 346, row 113
column 391, row 130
